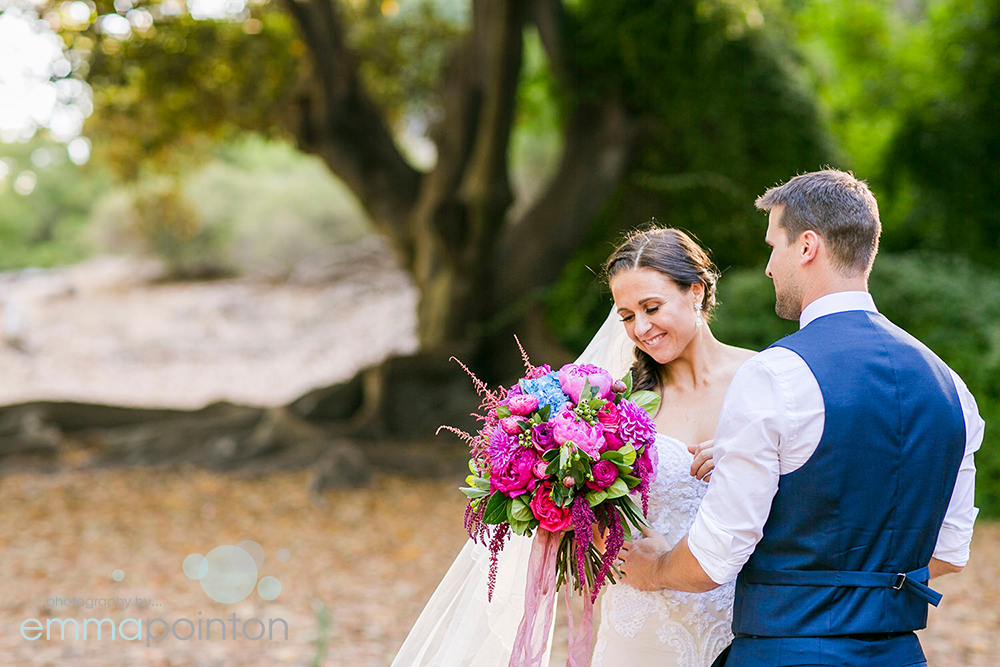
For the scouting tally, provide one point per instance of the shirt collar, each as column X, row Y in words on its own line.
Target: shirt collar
column 838, row 302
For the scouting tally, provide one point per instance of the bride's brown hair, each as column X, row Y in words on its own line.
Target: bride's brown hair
column 679, row 257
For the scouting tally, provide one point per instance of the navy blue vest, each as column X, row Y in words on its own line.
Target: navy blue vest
column 867, row 507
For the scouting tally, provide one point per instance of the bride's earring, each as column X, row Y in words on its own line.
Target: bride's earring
column 699, row 321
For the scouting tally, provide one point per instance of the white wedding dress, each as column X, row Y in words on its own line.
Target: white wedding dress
column 666, row 628
column 460, row 628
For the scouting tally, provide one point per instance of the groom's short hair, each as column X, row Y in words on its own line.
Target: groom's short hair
column 835, row 205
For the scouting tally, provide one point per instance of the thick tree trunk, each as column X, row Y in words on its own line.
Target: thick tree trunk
column 480, row 274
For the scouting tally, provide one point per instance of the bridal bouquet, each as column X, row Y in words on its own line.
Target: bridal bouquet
column 559, row 453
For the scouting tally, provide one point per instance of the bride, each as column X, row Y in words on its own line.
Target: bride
column 663, row 284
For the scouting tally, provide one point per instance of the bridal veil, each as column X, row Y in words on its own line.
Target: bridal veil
column 459, row 626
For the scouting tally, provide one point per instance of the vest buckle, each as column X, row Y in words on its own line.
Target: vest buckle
column 899, row 581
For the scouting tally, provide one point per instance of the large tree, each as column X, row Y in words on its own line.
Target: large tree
column 479, row 268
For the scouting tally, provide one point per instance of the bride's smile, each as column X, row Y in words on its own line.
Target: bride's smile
column 659, row 316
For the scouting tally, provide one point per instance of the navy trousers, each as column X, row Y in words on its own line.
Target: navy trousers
column 895, row 651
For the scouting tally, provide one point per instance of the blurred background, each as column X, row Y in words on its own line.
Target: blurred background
column 240, row 240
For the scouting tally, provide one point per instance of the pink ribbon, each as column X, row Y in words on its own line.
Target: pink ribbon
column 539, row 605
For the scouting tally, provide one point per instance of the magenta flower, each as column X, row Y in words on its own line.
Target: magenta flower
column 572, row 379
column 550, row 516
column 523, row 404
column 608, row 416
column 514, row 473
column 612, row 441
column 567, row 428
column 605, row 473
column 541, row 437
column 538, row 371
column 635, row 427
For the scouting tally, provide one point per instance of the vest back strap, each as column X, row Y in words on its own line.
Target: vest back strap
column 909, row 581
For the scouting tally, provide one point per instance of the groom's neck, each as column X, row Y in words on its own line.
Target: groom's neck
column 831, row 282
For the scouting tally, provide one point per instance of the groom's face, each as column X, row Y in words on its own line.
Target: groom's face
column 783, row 268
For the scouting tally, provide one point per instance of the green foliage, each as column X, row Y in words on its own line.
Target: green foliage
column 947, row 302
column 716, row 135
column 259, row 208
column 43, row 228
column 184, row 84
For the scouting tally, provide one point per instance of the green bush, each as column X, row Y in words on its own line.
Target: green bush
column 950, row 304
column 259, row 208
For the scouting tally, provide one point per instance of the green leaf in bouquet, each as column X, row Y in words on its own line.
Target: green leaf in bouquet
column 627, row 530
column 545, row 412
column 552, row 468
column 503, row 411
column 520, row 527
column 627, row 379
column 587, row 392
column 564, row 456
column 472, row 467
column 550, row 454
column 614, row 457
column 618, row 489
column 596, row 404
column 473, row 492
column 627, row 504
column 481, row 483
column 630, row 481
column 628, row 455
column 520, row 510
column 647, row 400
column 496, row 509
column 595, row 498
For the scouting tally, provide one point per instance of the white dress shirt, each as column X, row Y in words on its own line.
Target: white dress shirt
column 770, row 425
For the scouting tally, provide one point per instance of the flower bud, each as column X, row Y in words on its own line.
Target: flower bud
column 569, row 481
column 619, row 387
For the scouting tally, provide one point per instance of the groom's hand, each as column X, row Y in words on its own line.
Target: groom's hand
column 641, row 560
column 703, row 463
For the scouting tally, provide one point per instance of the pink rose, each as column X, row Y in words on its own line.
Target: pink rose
column 511, row 475
column 572, row 378
column 523, row 404
column 550, row 516
column 605, row 473
column 540, row 467
column 567, row 428
column 510, row 425
column 608, row 416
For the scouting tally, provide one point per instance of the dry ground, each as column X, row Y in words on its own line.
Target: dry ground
column 366, row 560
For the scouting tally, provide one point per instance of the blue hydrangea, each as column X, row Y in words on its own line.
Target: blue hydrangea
column 547, row 390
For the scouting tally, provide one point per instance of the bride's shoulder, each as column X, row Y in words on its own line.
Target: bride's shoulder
column 736, row 357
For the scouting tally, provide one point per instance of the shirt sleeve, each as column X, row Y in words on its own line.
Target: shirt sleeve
column 755, row 416
column 956, row 531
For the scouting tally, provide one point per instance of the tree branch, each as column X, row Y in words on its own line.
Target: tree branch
column 599, row 141
column 342, row 125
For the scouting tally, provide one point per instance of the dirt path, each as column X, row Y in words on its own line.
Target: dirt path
column 106, row 331
column 365, row 561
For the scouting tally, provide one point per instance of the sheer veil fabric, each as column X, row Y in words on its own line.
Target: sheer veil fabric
column 459, row 626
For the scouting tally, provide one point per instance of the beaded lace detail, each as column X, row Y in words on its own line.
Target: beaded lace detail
column 693, row 626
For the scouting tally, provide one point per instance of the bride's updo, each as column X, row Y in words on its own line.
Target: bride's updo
column 677, row 256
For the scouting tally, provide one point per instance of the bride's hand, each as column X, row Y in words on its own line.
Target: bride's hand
column 598, row 538
column 703, row 463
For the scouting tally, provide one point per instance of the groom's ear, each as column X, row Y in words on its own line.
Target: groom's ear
column 809, row 245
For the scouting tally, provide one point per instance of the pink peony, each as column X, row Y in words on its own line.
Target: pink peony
column 550, row 516
column 605, row 473
column 567, row 428
column 512, row 474
column 538, row 371
column 572, row 378
column 523, row 404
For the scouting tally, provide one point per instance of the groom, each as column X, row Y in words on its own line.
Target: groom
column 844, row 475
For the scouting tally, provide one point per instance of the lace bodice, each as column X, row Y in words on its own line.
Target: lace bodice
column 691, row 627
